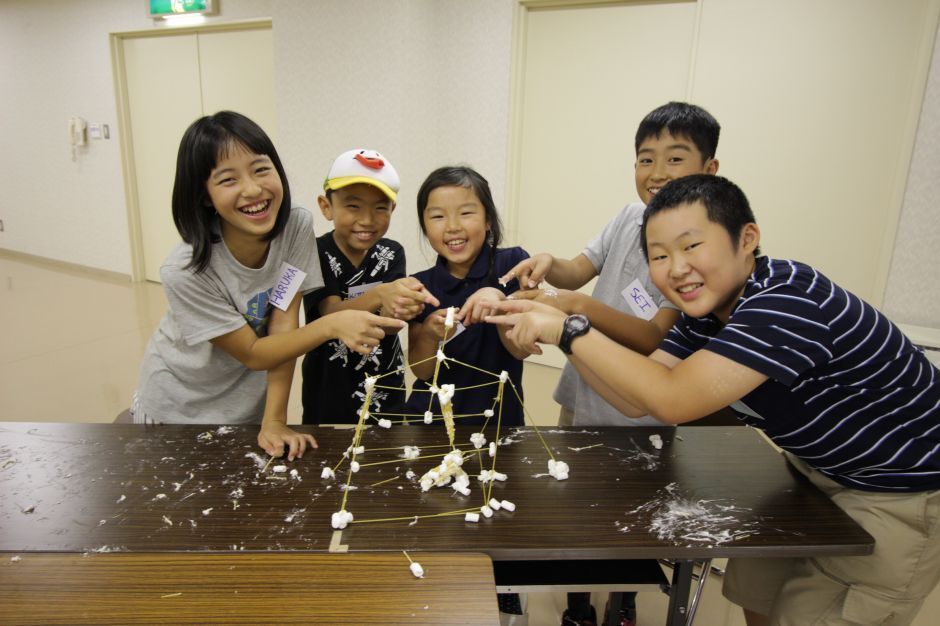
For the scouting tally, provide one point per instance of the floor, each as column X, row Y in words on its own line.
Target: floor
column 71, row 344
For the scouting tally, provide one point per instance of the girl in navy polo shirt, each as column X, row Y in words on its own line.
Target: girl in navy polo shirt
column 458, row 216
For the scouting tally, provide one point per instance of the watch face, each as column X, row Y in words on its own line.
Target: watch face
column 576, row 323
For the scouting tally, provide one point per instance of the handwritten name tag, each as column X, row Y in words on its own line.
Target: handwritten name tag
column 639, row 300
column 458, row 328
column 286, row 287
column 358, row 290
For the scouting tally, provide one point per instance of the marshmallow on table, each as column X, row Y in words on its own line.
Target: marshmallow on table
column 558, row 469
column 428, row 417
column 486, row 511
column 478, row 439
column 657, row 441
column 341, row 518
column 471, row 517
column 279, row 469
column 417, row 570
column 327, row 473
column 509, row 506
column 354, row 466
column 412, row 452
column 385, row 423
column 494, row 504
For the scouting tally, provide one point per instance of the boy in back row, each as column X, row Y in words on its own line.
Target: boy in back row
column 853, row 404
column 361, row 270
column 673, row 140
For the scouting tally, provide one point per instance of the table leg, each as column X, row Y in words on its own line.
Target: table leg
column 614, row 600
column 679, row 593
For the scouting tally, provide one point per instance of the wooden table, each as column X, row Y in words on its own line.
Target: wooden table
column 709, row 492
column 247, row 588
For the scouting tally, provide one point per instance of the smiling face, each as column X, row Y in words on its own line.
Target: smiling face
column 246, row 191
column 662, row 158
column 455, row 224
column 360, row 214
column 694, row 262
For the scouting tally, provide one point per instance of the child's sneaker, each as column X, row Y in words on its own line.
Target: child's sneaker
column 572, row 617
column 627, row 618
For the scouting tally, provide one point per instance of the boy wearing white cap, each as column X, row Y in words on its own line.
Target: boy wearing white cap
column 361, row 270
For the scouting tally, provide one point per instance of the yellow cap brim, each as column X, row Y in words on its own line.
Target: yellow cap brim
column 345, row 181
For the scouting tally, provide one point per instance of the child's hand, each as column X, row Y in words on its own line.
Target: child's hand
column 361, row 331
column 275, row 435
column 528, row 323
column 479, row 305
column 561, row 299
column 530, row 272
column 433, row 324
column 405, row 298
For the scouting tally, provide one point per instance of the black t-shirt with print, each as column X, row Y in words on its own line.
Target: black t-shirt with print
column 333, row 375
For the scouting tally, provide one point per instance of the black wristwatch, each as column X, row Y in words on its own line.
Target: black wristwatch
column 575, row 326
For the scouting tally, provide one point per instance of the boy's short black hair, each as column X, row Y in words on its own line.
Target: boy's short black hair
column 682, row 119
column 725, row 204
column 206, row 141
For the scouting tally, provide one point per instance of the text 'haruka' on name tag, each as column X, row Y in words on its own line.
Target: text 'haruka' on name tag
column 285, row 289
column 639, row 300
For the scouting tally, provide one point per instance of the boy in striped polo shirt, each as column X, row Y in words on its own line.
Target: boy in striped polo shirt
column 854, row 405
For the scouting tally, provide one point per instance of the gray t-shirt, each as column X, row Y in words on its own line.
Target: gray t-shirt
column 184, row 378
column 617, row 257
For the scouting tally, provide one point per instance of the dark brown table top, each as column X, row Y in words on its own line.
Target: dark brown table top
column 709, row 492
column 247, row 588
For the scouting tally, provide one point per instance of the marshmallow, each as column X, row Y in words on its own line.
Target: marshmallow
column 359, row 450
column 327, row 473
column 461, row 489
column 428, row 417
column 492, row 448
column 445, row 394
column 411, row 452
column 449, row 319
column 441, row 356
column 385, row 423
column 657, row 441
column 471, row 517
column 558, row 469
column 499, row 476
column 417, row 570
column 509, row 506
column 426, row 484
column 370, row 382
column 488, row 413
column 410, row 475
column 340, row 519
column 494, row 504
column 486, row 511
column 478, row 439
column 503, row 376
column 279, row 469
column 354, row 466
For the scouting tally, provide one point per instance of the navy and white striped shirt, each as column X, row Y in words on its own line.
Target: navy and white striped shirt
column 847, row 392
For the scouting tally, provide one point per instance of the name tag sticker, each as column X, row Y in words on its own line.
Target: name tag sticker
column 358, row 290
column 456, row 330
column 639, row 300
column 286, row 287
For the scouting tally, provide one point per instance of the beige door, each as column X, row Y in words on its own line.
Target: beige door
column 818, row 103
column 590, row 76
column 171, row 80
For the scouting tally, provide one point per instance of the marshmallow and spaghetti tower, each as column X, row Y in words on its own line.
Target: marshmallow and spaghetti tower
column 450, row 469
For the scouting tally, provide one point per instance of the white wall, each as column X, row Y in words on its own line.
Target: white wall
column 912, row 294
column 55, row 62
column 425, row 81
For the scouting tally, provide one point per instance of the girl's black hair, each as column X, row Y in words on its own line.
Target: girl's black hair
column 208, row 140
column 468, row 178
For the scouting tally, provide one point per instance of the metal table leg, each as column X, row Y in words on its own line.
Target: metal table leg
column 679, row 593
